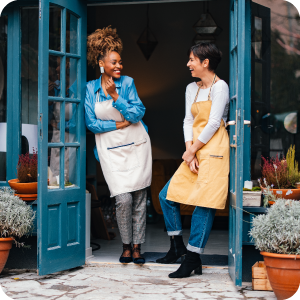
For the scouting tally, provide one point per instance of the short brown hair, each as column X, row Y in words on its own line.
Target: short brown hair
column 100, row 43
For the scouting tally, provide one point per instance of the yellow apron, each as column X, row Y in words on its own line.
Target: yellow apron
column 209, row 187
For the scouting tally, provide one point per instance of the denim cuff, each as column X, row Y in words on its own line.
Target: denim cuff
column 195, row 249
column 178, row 232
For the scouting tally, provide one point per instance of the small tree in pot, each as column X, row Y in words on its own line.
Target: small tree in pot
column 16, row 220
column 277, row 235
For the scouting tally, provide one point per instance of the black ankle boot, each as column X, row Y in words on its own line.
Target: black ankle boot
column 192, row 262
column 177, row 250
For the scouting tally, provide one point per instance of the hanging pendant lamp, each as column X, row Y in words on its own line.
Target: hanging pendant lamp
column 206, row 25
column 147, row 41
column 206, row 28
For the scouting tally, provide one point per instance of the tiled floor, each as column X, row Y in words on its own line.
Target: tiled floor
column 157, row 240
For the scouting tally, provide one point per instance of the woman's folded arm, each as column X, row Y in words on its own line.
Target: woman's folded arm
column 131, row 107
column 92, row 123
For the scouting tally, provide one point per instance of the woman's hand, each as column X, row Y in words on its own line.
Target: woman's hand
column 124, row 124
column 194, row 165
column 111, row 88
column 188, row 156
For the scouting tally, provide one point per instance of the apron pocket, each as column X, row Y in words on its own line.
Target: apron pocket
column 123, row 158
column 203, row 171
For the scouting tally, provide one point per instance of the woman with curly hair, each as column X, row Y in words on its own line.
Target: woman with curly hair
column 114, row 112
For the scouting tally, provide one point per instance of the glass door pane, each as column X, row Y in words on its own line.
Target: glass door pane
column 29, row 78
column 3, row 95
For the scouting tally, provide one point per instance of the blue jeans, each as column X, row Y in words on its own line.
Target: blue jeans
column 202, row 220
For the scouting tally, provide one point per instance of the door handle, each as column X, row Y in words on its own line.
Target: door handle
column 246, row 122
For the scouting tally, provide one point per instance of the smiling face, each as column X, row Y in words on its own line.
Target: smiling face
column 197, row 68
column 112, row 64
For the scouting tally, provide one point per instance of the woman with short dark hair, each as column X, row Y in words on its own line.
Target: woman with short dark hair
column 202, row 179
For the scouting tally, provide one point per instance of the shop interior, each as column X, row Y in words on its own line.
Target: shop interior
column 161, row 80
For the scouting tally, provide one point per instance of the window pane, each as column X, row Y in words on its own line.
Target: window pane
column 54, row 122
column 70, row 122
column 71, row 78
column 3, row 95
column 54, row 76
column 29, row 78
column 70, row 166
column 54, row 168
column 55, row 28
column 275, row 81
column 71, row 34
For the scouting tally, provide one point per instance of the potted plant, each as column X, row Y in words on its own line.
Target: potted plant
column 26, row 183
column 252, row 197
column 16, row 220
column 281, row 175
column 277, row 235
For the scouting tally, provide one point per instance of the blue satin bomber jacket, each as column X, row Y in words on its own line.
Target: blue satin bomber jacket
column 128, row 104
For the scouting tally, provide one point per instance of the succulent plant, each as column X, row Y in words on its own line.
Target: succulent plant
column 278, row 231
column 16, row 217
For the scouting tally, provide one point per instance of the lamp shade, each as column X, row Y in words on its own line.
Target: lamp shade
column 147, row 42
column 206, row 25
column 203, row 39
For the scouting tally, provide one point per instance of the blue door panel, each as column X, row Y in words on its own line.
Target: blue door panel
column 61, row 210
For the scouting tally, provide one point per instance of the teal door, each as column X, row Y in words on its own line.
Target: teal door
column 61, row 135
column 240, row 74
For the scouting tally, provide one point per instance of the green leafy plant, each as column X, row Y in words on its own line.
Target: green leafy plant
column 254, row 189
column 281, row 173
column 27, row 167
column 278, row 231
column 16, row 217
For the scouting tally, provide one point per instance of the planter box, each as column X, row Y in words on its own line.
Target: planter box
column 260, row 280
column 251, row 198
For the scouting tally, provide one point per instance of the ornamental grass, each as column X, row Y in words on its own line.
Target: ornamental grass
column 281, row 173
column 278, row 231
column 16, row 217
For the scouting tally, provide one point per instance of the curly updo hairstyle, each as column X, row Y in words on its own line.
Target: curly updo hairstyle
column 100, row 43
column 208, row 51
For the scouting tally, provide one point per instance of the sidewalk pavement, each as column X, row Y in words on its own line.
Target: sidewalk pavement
column 116, row 281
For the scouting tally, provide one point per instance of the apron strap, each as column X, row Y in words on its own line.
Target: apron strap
column 214, row 81
column 212, row 86
column 97, row 99
column 197, row 94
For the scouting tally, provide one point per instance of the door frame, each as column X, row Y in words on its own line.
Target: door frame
column 240, row 101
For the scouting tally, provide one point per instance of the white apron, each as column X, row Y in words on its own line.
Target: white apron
column 124, row 154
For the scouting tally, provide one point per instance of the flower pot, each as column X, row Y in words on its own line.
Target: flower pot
column 271, row 202
column 27, row 197
column 293, row 194
column 23, row 188
column 5, row 246
column 251, row 198
column 283, row 272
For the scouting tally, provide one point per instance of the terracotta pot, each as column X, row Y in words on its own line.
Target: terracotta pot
column 283, row 272
column 27, row 197
column 5, row 246
column 293, row 194
column 23, row 188
column 271, row 202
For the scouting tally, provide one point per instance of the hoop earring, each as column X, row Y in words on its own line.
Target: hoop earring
column 101, row 70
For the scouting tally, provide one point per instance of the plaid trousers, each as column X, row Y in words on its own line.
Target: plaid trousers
column 131, row 216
